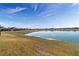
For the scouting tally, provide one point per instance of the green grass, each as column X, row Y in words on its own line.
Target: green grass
column 14, row 43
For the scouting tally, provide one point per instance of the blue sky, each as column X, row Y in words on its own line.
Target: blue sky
column 39, row 15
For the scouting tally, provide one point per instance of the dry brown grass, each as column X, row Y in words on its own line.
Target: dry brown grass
column 16, row 44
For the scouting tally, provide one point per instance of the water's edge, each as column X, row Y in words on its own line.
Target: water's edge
column 47, row 38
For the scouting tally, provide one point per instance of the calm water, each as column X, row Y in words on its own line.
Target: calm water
column 64, row 36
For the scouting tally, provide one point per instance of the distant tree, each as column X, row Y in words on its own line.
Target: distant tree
column 0, row 30
column 1, row 27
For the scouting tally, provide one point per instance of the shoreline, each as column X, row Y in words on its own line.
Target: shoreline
column 27, row 34
column 16, row 43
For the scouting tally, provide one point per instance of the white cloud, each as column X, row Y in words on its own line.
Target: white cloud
column 15, row 10
column 35, row 7
column 74, row 4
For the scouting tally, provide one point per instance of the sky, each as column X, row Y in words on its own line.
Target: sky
column 39, row 15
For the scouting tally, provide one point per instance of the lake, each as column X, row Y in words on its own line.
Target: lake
column 57, row 35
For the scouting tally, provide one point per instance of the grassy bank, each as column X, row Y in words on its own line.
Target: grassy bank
column 16, row 44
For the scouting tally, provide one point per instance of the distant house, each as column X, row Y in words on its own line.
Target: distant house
column 12, row 29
